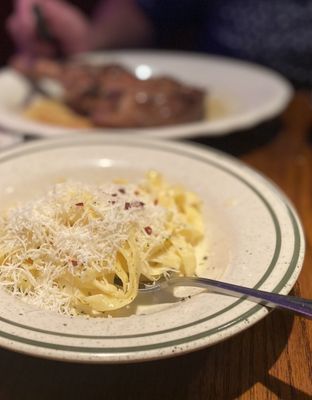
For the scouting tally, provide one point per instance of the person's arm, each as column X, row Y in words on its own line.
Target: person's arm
column 116, row 23
column 69, row 26
column 120, row 23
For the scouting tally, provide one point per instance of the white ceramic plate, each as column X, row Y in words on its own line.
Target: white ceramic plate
column 240, row 94
column 7, row 140
column 254, row 235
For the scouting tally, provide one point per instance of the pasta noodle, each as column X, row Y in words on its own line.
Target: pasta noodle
column 83, row 249
column 53, row 112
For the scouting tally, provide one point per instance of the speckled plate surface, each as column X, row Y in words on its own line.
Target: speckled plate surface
column 7, row 140
column 254, row 239
column 239, row 94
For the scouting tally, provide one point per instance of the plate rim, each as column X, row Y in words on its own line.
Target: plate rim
column 258, row 311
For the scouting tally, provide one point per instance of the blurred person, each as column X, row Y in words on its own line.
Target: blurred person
column 276, row 33
column 113, row 23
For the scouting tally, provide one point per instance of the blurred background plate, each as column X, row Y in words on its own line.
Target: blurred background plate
column 7, row 140
column 239, row 94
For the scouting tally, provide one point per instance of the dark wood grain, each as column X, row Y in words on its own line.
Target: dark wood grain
column 271, row 360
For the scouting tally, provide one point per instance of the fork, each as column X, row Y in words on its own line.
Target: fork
column 44, row 33
column 271, row 300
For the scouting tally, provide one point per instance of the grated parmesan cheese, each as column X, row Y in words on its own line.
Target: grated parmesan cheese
column 75, row 228
column 60, row 251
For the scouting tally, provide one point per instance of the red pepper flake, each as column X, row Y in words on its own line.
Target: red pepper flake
column 114, row 194
column 74, row 262
column 138, row 204
column 127, row 205
column 148, row 230
column 155, row 202
column 81, row 204
column 122, row 190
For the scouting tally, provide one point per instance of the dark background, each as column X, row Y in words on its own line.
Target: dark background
column 6, row 45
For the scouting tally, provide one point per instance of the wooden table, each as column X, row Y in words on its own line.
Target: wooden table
column 271, row 360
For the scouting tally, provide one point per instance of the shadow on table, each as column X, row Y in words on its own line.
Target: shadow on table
column 244, row 141
column 309, row 136
column 277, row 386
column 223, row 371
column 236, row 143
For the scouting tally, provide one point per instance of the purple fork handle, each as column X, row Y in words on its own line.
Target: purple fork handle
column 292, row 303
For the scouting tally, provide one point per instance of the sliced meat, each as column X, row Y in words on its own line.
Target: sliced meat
column 153, row 102
column 37, row 69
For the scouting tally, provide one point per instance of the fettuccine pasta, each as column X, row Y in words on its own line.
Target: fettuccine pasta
column 83, row 249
